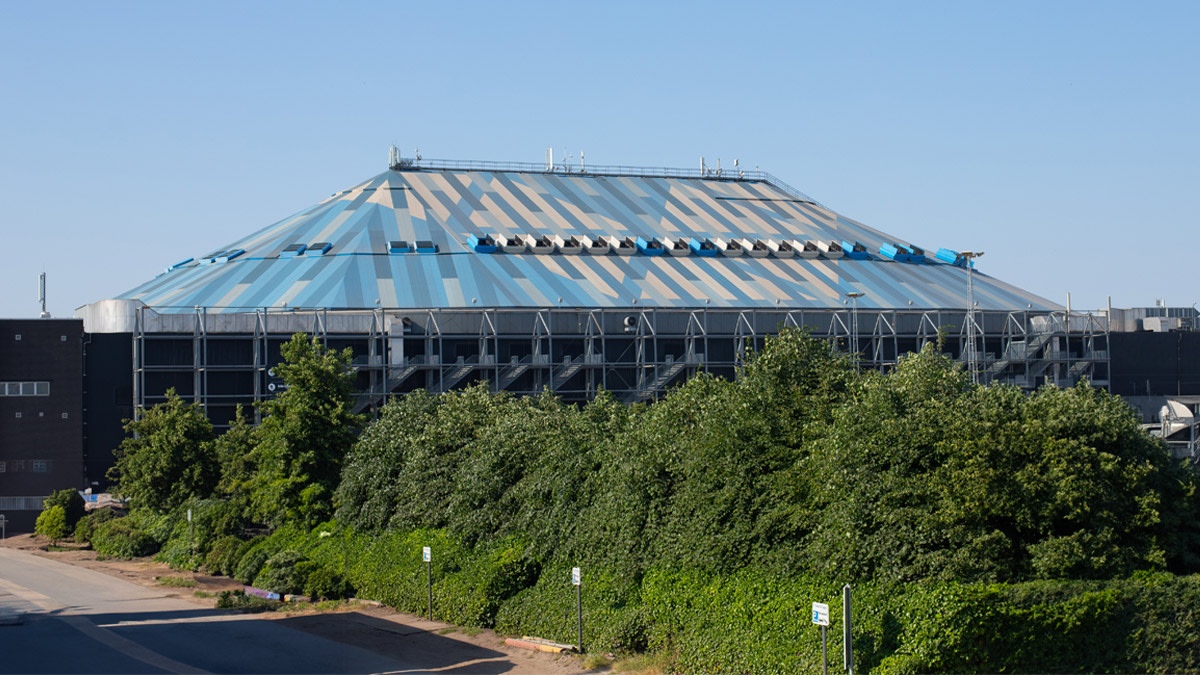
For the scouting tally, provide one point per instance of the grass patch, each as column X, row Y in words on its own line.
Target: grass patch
column 176, row 582
column 202, row 594
column 644, row 664
column 239, row 601
column 471, row 631
column 447, row 630
column 594, row 661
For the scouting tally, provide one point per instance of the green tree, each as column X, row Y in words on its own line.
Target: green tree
column 72, row 504
column 167, row 458
column 305, row 434
column 52, row 524
column 235, row 454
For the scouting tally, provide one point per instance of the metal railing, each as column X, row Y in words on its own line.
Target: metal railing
column 560, row 168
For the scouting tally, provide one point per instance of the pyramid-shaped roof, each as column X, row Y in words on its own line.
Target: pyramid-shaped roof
column 418, row 237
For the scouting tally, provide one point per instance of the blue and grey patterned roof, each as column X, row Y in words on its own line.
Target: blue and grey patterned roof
column 436, row 238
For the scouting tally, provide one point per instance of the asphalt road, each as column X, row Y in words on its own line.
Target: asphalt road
column 58, row 618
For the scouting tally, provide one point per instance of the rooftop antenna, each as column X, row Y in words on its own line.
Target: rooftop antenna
column 703, row 169
column 566, row 163
column 550, row 158
column 718, row 167
column 417, row 153
column 393, row 158
column 42, row 295
column 581, row 168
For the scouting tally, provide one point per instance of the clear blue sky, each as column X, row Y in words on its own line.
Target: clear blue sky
column 1062, row 138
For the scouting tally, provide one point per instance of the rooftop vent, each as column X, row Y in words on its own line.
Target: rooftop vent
column 540, row 244
column 594, row 246
column 292, row 250
column 729, row 248
column 511, row 244
column 830, row 249
column 782, row 248
column 948, row 256
column 425, row 246
column 807, row 249
column 893, row 252
column 398, row 246
column 756, row 248
column 569, row 246
column 625, row 246
column 677, row 246
column 318, row 248
column 856, row 250
column 703, row 248
column 651, row 246
column 481, row 243
column 179, row 264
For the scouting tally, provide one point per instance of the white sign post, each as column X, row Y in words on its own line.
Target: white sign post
column 820, row 617
column 577, row 581
column 3, row 526
column 427, row 556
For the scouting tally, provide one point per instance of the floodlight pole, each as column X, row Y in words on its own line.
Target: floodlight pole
column 854, row 296
column 972, row 350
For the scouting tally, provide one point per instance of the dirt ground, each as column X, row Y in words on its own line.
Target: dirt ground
column 363, row 624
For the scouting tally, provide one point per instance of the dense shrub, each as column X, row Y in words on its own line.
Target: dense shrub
column 326, row 584
column 239, row 601
column 251, row 563
column 72, row 504
column 52, row 524
column 283, row 572
column 220, row 559
column 189, row 542
column 87, row 525
column 123, row 538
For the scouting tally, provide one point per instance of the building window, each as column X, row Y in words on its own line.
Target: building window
column 64, row 338
column 18, row 415
column 42, row 414
column 18, row 465
column 18, row 336
column 3, row 467
column 40, row 466
column 24, row 388
column 64, row 416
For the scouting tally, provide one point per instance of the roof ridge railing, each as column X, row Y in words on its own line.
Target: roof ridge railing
column 407, row 163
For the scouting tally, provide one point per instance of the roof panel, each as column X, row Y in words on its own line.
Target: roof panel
column 445, row 206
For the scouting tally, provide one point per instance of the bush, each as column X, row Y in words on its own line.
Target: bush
column 123, row 538
column 72, row 504
column 189, row 542
column 221, row 557
column 326, row 584
column 52, row 524
column 87, row 525
column 238, row 600
column 251, row 563
column 283, row 572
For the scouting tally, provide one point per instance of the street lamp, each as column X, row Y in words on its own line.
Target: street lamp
column 972, row 349
column 854, row 296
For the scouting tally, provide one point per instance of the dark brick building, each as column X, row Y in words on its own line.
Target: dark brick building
column 41, row 414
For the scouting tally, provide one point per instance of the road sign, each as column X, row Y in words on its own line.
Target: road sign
column 575, row 576
column 820, row 613
column 426, row 554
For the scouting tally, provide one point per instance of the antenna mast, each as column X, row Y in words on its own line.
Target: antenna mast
column 42, row 295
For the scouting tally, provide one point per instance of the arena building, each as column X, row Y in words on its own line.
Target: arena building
column 440, row 274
